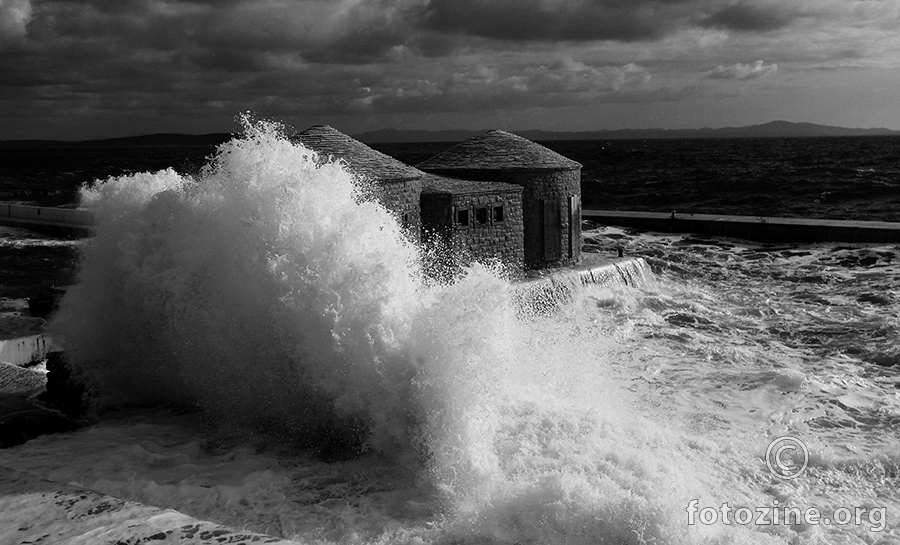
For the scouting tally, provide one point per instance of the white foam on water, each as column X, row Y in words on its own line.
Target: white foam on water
column 266, row 293
column 744, row 343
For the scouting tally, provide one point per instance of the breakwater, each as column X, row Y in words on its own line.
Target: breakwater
column 72, row 514
column 756, row 228
column 47, row 219
column 78, row 222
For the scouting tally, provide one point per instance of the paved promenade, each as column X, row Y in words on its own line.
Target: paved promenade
column 757, row 228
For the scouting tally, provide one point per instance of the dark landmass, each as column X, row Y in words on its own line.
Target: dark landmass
column 398, row 136
column 150, row 140
column 773, row 129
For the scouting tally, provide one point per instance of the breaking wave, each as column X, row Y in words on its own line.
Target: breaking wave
column 267, row 292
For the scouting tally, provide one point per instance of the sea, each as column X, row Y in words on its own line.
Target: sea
column 264, row 352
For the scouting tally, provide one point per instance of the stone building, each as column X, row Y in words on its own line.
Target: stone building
column 551, row 202
column 473, row 221
column 496, row 196
column 396, row 185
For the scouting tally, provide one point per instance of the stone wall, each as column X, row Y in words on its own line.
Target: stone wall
column 457, row 245
column 541, row 187
column 401, row 198
column 561, row 185
column 490, row 240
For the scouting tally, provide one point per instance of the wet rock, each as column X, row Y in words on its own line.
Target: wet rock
column 687, row 320
column 64, row 393
column 22, row 420
column 343, row 440
column 874, row 298
column 885, row 359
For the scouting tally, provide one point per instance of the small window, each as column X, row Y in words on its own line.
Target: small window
column 405, row 221
column 481, row 215
column 497, row 212
column 462, row 217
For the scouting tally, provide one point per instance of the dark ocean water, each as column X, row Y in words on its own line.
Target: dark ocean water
column 838, row 178
column 264, row 293
column 52, row 176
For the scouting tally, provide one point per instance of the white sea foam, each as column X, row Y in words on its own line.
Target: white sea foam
column 264, row 292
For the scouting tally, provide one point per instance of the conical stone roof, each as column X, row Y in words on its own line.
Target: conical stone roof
column 363, row 160
column 432, row 184
column 498, row 150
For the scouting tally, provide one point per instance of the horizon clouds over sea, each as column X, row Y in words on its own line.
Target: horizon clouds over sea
column 94, row 69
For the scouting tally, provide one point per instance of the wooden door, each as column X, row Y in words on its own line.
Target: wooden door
column 574, row 226
column 551, row 230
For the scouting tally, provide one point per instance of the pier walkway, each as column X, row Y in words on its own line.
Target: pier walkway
column 756, row 228
column 78, row 222
column 47, row 219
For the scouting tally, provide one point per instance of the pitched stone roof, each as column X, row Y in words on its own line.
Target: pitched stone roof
column 432, row 184
column 498, row 150
column 362, row 159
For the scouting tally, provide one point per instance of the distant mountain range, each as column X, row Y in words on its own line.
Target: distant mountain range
column 165, row 139
column 774, row 129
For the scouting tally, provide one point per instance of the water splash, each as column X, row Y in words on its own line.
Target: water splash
column 266, row 291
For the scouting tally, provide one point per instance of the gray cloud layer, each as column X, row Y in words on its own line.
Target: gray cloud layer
column 95, row 60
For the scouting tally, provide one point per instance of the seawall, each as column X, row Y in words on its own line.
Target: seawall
column 78, row 222
column 33, row 510
column 546, row 289
column 25, row 350
column 760, row 229
column 47, row 219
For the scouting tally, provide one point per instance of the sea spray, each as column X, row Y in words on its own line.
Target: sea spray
column 268, row 291
column 262, row 289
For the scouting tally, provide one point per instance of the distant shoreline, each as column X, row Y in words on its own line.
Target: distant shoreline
column 774, row 129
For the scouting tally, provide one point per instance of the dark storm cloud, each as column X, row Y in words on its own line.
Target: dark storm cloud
column 96, row 57
column 552, row 20
column 751, row 17
column 171, row 60
column 342, row 31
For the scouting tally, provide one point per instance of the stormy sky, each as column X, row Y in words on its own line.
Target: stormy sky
column 78, row 69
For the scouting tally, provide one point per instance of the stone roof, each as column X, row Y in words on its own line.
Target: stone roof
column 362, row 159
column 432, row 184
column 498, row 150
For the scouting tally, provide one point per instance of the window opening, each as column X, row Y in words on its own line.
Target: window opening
column 481, row 215
column 498, row 213
column 462, row 217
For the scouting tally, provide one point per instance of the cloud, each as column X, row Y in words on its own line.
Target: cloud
column 14, row 17
column 180, row 59
column 327, row 31
column 740, row 71
column 748, row 16
column 485, row 87
column 559, row 20
column 570, row 76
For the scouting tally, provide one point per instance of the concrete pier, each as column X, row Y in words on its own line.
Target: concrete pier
column 25, row 350
column 756, row 228
column 33, row 510
column 544, row 290
column 47, row 219
column 77, row 222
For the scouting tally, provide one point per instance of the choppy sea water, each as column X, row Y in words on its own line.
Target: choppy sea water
column 296, row 319
column 835, row 177
column 839, row 178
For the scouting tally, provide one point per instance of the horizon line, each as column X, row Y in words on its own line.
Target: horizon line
column 476, row 131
